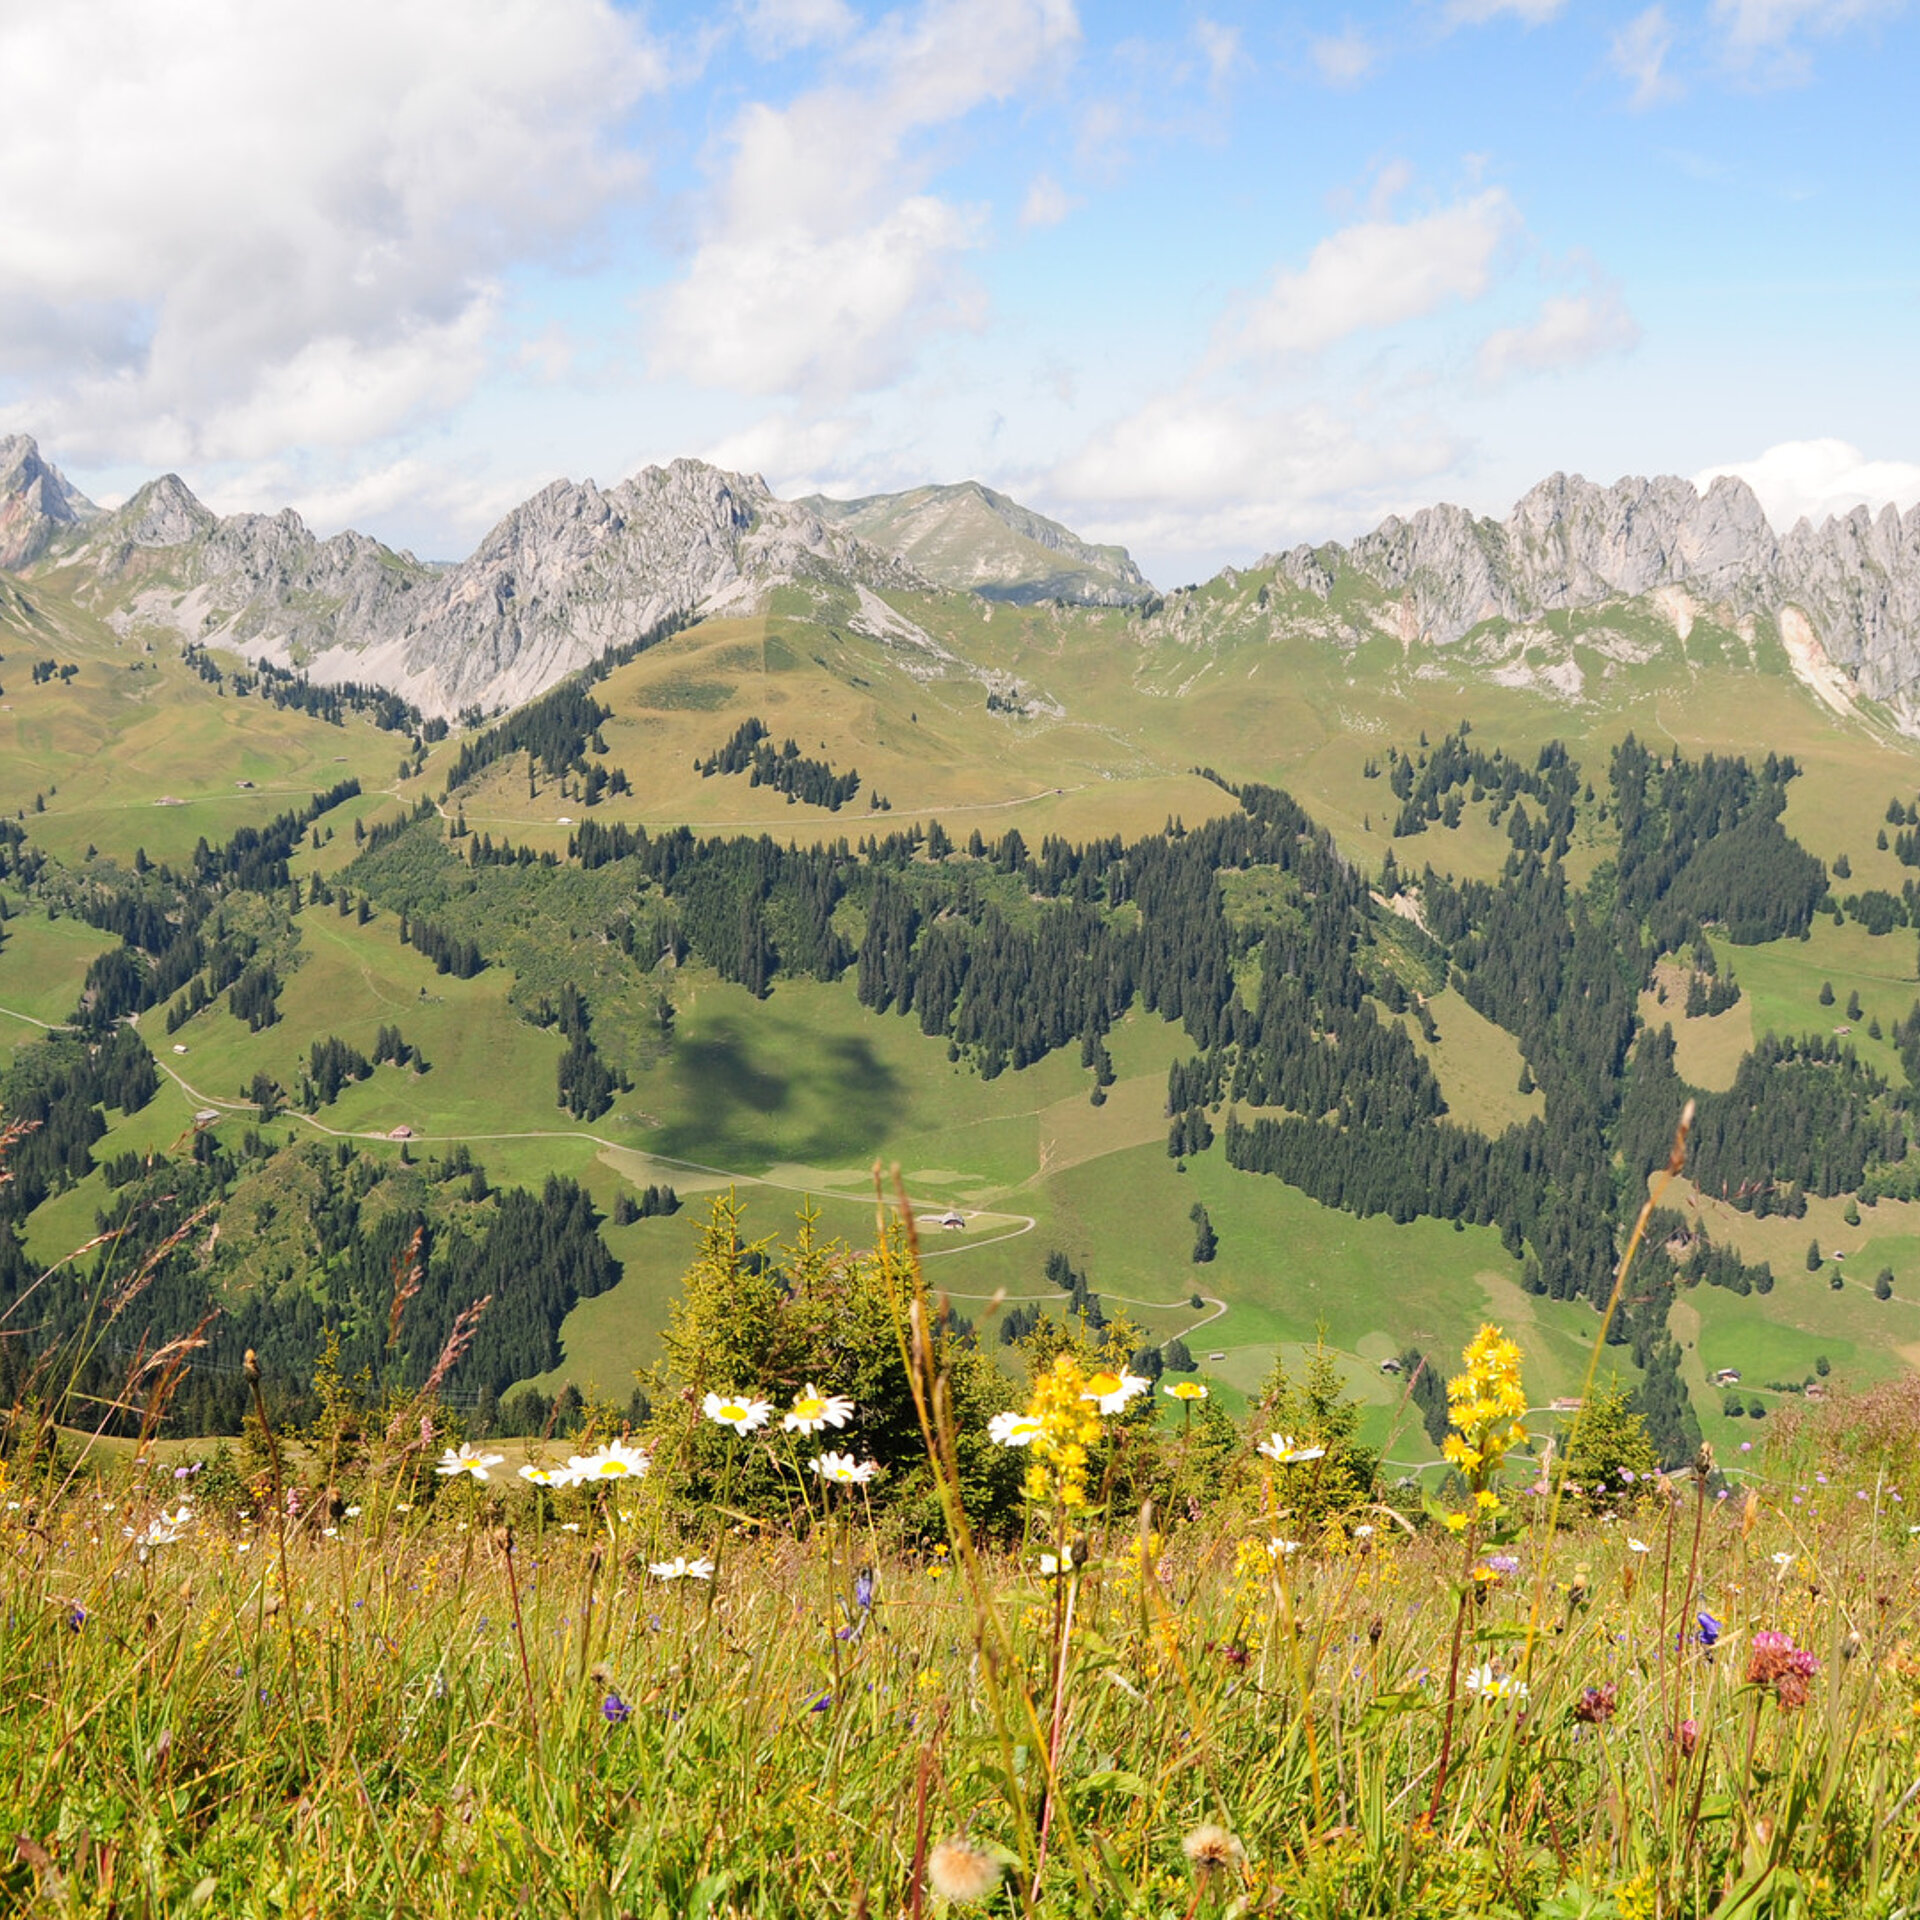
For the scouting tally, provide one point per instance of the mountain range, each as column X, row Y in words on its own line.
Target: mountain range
column 578, row 569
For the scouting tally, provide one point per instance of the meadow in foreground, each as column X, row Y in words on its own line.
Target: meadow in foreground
column 859, row 1641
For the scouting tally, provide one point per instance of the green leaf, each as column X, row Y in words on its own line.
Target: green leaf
column 1113, row 1780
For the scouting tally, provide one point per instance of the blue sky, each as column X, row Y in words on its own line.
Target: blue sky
column 1207, row 280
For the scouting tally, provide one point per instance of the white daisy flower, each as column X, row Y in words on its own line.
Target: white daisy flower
column 467, row 1458
column 1490, row 1684
column 1637, row 1546
column 1185, row 1390
column 844, row 1471
column 813, row 1410
column 1285, row 1451
column 1111, row 1391
column 680, row 1568
column 742, row 1415
column 544, row 1476
column 1012, row 1429
column 614, row 1461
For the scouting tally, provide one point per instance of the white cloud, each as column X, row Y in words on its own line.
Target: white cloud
column 797, row 453
column 827, row 263
column 225, row 223
column 774, row 27
column 1477, row 13
column 793, row 309
column 451, row 498
column 1344, row 59
column 1378, row 273
column 1569, row 330
column 1818, row 478
column 1196, row 473
column 1047, row 202
column 1221, row 45
column 1639, row 53
column 1753, row 24
column 1762, row 40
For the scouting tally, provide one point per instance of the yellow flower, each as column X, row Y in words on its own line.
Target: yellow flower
column 1185, row 1390
column 1456, row 1522
column 1063, row 1424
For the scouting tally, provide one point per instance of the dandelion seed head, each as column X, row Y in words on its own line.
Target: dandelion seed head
column 959, row 1871
column 1211, row 1847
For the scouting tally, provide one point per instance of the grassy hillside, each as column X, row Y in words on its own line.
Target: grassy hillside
column 1076, row 723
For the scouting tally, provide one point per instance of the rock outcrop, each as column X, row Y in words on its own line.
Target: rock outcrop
column 1569, row 543
column 565, row 576
column 37, row 502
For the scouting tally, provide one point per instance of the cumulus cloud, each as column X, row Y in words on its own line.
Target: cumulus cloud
column 1343, row 59
column 1378, row 273
column 826, row 261
column 1569, row 330
column 1639, row 53
column 452, row 497
column 225, row 225
column 796, row 452
column 1815, row 479
column 1197, row 473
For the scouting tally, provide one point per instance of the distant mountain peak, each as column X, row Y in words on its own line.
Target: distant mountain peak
column 1852, row 584
column 971, row 538
column 37, row 501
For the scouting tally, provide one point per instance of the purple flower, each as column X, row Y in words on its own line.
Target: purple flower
column 1503, row 1563
column 617, row 1712
column 1710, row 1630
column 76, row 1616
column 822, row 1704
column 863, row 1588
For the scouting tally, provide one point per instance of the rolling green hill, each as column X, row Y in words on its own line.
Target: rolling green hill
column 1086, row 727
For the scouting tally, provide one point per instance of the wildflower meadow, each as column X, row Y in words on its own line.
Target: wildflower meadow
column 856, row 1622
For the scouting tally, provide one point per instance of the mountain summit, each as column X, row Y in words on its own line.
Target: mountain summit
column 36, row 502
column 978, row 541
column 1845, row 595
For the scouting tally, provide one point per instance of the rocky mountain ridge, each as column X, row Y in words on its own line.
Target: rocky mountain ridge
column 578, row 569
column 565, row 576
column 1845, row 595
column 37, row 502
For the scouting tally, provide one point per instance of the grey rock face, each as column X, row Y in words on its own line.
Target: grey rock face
column 37, row 501
column 565, row 576
column 1570, row 543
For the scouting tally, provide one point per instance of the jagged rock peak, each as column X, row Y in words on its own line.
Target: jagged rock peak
column 1847, row 591
column 37, row 501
